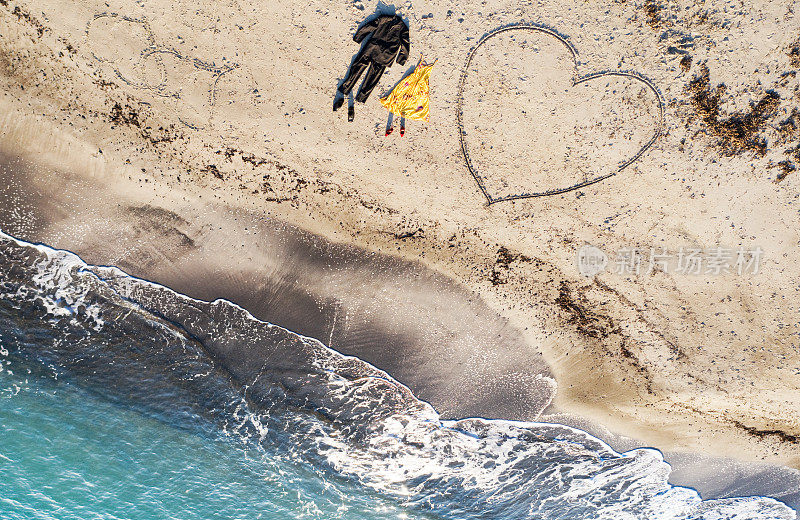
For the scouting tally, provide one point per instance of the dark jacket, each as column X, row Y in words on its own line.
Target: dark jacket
column 389, row 39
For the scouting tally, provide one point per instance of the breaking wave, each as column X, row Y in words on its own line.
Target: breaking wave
column 195, row 364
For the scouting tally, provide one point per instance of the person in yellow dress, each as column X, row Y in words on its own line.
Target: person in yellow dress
column 411, row 97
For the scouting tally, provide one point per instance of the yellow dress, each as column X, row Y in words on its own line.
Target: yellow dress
column 411, row 97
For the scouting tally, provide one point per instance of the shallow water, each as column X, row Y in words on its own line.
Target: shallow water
column 178, row 408
column 67, row 453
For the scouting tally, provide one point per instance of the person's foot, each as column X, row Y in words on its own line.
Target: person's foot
column 389, row 131
column 337, row 103
column 351, row 113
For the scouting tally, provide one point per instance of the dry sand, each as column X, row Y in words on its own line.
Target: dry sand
column 228, row 103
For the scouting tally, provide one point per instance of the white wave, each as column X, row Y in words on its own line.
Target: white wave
column 470, row 468
column 55, row 284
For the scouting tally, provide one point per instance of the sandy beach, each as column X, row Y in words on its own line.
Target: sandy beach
column 461, row 357
column 173, row 140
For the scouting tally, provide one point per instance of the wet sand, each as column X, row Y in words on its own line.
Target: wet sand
column 425, row 330
column 433, row 335
column 212, row 128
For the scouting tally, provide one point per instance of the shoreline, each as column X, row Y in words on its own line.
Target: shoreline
column 427, row 331
column 711, row 478
column 145, row 188
column 651, row 356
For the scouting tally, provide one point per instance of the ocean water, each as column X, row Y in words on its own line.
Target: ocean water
column 120, row 398
column 67, row 453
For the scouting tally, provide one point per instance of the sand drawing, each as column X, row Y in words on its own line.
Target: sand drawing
column 581, row 142
column 141, row 62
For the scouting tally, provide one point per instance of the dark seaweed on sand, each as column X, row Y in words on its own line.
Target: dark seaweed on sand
column 738, row 132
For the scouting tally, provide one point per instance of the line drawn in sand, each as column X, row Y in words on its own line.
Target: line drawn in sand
column 139, row 61
column 585, row 178
column 216, row 71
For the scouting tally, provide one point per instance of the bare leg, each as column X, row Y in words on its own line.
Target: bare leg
column 389, row 124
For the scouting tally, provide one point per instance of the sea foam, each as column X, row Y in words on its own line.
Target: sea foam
column 187, row 360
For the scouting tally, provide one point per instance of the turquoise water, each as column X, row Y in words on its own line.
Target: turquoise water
column 66, row 453
column 123, row 399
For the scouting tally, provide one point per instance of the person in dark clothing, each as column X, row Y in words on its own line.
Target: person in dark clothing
column 389, row 41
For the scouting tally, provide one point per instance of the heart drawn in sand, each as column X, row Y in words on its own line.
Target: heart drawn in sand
column 533, row 127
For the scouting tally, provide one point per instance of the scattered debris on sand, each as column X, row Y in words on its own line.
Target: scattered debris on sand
column 587, row 322
column 502, row 265
column 213, row 170
column 739, row 132
column 794, row 54
column 653, row 11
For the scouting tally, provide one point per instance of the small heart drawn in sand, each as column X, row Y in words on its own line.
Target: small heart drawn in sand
column 533, row 127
